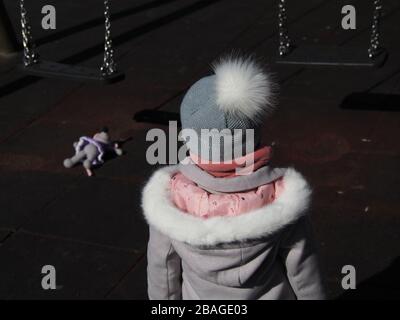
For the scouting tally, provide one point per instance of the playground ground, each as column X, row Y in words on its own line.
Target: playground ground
column 92, row 230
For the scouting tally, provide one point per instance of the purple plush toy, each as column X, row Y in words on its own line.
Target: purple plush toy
column 91, row 151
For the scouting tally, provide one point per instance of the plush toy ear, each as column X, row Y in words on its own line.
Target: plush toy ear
column 105, row 129
column 243, row 88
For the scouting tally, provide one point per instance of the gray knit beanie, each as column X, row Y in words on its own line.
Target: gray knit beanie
column 236, row 97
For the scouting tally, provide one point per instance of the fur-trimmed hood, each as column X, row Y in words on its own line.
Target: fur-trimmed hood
column 162, row 214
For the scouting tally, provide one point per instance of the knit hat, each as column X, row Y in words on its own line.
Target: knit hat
column 233, row 100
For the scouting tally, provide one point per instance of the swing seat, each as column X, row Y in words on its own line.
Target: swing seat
column 332, row 56
column 50, row 69
column 375, row 56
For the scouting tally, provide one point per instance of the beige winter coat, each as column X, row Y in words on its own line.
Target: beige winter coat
column 268, row 253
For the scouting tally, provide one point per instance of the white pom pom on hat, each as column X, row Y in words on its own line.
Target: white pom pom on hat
column 243, row 89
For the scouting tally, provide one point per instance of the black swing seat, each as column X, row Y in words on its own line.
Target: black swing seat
column 332, row 56
column 50, row 69
column 33, row 65
column 375, row 56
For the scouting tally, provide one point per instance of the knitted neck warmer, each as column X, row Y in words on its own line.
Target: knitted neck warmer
column 240, row 166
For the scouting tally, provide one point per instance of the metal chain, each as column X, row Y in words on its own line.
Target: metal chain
column 30, row 56
column 109, row 66
column 284, row 41
column 374, row 42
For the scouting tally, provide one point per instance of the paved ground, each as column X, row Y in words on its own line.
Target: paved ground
column 92, row 230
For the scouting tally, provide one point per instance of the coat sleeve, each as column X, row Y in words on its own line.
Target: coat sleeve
column 298, row 251
column 163, row 268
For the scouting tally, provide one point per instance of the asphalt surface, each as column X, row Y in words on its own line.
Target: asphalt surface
column 92, row 230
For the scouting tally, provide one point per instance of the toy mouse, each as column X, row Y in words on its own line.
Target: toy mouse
column 91, row 151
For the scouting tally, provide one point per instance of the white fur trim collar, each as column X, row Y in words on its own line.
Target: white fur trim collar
column 162, row 214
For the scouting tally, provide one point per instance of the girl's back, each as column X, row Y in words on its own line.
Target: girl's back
column 223, row 226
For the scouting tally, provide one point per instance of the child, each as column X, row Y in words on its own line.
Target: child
column 221, row 228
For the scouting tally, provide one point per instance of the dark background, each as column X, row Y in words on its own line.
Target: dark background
column 92, row 230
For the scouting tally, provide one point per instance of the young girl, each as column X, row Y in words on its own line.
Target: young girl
column 224, row 226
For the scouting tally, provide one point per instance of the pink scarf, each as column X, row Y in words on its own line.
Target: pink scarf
column 240, row 166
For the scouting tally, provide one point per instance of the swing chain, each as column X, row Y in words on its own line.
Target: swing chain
column 30, row 56
column 374, row 42
column 109, row 66
column 284, row 41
